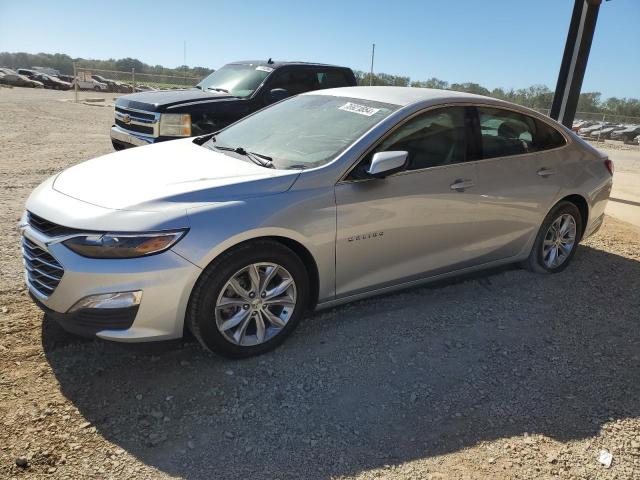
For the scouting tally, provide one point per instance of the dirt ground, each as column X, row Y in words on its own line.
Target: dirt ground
column 500, row 375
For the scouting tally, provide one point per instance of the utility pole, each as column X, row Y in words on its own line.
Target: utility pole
column 184, row 62
column 574, row 61
column 373, row 52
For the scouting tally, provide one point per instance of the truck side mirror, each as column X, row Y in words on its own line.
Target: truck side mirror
column 277, row 94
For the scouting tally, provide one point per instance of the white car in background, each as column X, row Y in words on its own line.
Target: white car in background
column 91, row 84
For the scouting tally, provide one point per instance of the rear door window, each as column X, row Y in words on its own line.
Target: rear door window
column 506, row 133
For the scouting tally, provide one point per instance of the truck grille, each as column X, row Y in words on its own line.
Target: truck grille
column 138, row 121
column 43, row 270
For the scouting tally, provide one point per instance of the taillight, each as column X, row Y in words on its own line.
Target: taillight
column 609, row 164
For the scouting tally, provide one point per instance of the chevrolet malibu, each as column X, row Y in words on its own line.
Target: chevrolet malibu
column 320, row 199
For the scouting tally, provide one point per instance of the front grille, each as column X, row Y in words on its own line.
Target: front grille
column 132, row 127
column 49, row 228
column 136, row 121
column 137, row 113
column 43, row 270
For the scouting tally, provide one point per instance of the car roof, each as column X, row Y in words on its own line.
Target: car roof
column 402, row 96
column 281, row 63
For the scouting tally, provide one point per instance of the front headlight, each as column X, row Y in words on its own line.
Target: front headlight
column 123, row 245
column 175, row 124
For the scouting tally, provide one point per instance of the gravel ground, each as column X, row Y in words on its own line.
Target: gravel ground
column 503, row 374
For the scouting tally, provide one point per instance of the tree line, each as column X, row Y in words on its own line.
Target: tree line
column 536, row 96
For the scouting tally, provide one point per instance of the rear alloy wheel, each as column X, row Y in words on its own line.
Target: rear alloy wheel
column 249, row 299
column 557, row 240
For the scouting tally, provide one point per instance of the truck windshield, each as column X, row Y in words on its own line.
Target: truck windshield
column 240, row 80
column 304, row 131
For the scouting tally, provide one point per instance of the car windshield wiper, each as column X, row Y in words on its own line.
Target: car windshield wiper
column 217, row 89
column 257, row 158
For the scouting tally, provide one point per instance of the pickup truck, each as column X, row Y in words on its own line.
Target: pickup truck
column 228, row 94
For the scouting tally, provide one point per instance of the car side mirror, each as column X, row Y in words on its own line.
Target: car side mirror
column 277, row 94
column 384, row 164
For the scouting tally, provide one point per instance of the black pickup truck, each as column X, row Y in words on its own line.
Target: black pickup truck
column 228, row 94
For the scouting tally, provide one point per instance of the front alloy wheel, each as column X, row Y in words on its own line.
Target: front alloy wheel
column 255, row 304
column 249, row 299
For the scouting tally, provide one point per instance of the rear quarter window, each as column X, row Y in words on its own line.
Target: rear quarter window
column 332, row 79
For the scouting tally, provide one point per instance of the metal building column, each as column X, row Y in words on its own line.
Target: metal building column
column 574, row 60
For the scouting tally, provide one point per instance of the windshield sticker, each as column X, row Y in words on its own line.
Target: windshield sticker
column 264, row 69
column 361, row 109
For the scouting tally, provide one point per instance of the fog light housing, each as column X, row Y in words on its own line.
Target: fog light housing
column 109, row 300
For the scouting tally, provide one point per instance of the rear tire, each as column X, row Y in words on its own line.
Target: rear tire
column 229, row 280
column 560, row 233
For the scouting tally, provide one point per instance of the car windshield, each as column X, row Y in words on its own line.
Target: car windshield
column 304, row 131
column 240, row 80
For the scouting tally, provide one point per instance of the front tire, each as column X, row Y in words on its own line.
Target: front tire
column 249, row 300
column 557, row 240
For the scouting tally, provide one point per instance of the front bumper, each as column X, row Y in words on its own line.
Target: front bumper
column 165, row 279
column 127, row 139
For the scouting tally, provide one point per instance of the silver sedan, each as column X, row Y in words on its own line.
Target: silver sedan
column 321, row 199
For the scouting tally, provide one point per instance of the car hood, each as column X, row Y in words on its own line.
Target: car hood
column 162, row 100
column 168, row 175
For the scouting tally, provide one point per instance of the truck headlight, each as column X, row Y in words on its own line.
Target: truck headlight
column 175, row 125
column 123, row 245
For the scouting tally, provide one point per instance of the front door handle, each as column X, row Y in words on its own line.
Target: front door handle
column 545, row 172
column 460, row 185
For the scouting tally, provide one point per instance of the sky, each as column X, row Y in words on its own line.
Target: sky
column 496, row 43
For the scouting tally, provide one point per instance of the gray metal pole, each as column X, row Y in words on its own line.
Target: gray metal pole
column 574, row 60
column 75, row 80
column 133, row 78
column 373, row 52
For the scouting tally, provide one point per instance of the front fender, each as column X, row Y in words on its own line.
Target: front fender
column 307, row 217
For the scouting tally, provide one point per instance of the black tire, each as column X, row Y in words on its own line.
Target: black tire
column 116, row 146
column 200, row 317
column 535, row 261
column 97, row 89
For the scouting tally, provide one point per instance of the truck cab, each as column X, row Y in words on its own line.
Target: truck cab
column 228, row 94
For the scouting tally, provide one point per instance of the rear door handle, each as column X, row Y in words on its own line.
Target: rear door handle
column 460, row 185
column 545, row 172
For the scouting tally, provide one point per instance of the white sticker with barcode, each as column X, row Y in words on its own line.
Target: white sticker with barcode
column 361, row 109
column 264, row 69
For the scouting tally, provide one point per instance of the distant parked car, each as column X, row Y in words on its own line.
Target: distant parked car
column 585, row 132
column 605, row 132
column 66, row 78
column 144, row 88
column 114, row 85
column 636, row 141
column 578, row 124
column 627, row 134
column 50, row 81
column 84, row 84
column 11, row 77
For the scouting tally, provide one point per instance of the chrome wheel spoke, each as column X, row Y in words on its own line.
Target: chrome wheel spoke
column 280, row 288
column 235, row 320
column 254, row 275
column 273, row 319
column 260, row 327
column 226, row 302
column 234, row 284
column 269, row 274
column 280, row 302
column 238, row 335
